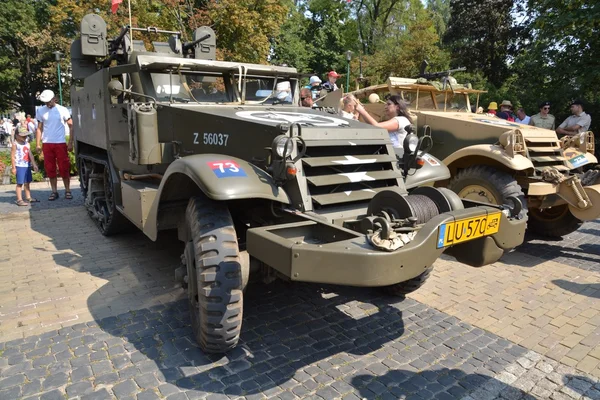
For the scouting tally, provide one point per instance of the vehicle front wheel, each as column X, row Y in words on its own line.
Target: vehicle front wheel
column 214, row 272
column 409, row 286
column 486, row 184
column 553, row 222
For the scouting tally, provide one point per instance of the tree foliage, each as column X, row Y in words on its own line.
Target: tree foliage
column 25, row 53
column 525, row 52
column 481, row 35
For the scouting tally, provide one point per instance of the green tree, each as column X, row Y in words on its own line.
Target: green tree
column 409, row 40
column 292, row 46
column 25, row 53
column 440, row 15
column 481, row 36
column 561, row 61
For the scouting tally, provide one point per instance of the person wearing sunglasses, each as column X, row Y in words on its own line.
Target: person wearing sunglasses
column 398, row 118
column 543, row 119
column 306, row 99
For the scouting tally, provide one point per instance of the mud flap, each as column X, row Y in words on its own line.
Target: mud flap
column 476, row 253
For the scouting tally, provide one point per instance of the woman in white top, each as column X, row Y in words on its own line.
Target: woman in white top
column 398, row 118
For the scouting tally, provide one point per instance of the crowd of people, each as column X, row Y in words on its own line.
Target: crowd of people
column 579, row 121
column 48, row 130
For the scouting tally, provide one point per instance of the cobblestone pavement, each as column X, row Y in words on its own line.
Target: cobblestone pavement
column 83, row 316
column 580, row 249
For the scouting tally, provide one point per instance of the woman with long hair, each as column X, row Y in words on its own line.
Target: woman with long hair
column 397, row 119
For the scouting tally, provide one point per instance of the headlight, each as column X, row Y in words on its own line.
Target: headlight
column 279, row 146
column 411, row 142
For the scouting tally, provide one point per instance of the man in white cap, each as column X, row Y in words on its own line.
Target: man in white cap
column 53, row 122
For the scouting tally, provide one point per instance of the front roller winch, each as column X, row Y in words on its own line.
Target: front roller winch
column 313, row 250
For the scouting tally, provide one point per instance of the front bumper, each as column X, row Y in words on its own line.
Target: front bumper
column 314, row 251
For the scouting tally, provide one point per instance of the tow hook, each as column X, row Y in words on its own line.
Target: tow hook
column 515, row 210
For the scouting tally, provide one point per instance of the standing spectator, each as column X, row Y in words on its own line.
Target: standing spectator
column 314, row 85
column 330, row 85
column 22, row 161
column 492, row 108
column 8, row 128
column 53, row 120
column 576, row 123
column 398, row 118
column 31, row 127
column 522, row 118
column 543, row 119
column 306, row 99
column 507, row 107
column 348, row 106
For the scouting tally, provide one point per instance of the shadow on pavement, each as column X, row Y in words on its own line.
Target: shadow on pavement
column 433, row 384
column 300, row 336
column 8, row 199
column 585, row 289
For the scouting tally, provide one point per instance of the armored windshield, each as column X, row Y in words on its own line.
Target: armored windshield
column 190, row 87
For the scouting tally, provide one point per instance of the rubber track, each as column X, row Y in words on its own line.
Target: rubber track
column 218, row 268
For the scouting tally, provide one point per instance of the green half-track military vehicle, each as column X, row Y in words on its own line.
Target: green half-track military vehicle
column 253, row 184
column 491, row 159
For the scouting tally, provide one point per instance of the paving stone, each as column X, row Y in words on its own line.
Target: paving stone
column 52, row 395
column 81, row 373
column 55, row 380
column 124, row 388
column 147, row 395
column 79, row 389
column 147, row 381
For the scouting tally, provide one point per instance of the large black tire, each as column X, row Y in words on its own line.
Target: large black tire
column 553, row 222
column 487, row 184
column 409, row 286
column 214, row 276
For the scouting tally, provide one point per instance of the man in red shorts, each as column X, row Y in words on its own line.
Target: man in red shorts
column 53, row 122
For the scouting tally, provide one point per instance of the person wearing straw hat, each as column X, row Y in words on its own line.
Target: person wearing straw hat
column 507, row 107
column 53, row 121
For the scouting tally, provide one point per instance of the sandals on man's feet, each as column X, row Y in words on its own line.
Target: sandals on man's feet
column 22, row 203
column 32, row 200
column 53, row 196
column 68, row 196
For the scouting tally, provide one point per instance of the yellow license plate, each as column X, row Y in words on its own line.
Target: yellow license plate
column 452, row 233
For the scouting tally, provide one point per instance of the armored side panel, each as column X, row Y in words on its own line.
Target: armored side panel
column 82, row 66
column 93, row 36
column 138, row 45
column 89, row 110
column 162, row 47
column 207, row 48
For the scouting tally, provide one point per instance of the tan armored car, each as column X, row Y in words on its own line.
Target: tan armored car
column 220, row 154
column 490, row 158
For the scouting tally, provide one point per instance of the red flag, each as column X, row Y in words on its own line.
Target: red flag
column 115, row 5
